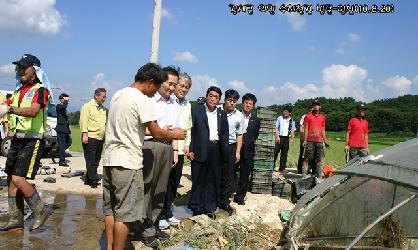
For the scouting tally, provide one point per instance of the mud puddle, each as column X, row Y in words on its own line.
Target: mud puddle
column 75, row 222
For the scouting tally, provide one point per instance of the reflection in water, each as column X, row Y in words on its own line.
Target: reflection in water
column 75, row 222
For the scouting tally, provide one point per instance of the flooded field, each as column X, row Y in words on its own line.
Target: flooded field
column 75, row 222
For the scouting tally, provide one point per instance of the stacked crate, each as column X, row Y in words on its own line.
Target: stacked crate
column 261, row 177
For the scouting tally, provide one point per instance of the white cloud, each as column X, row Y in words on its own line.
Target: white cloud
column 201, row 83
column 30, row 17
column 165, row 13
column 399, row 85
column 354, row 37
column 337, row 81
column 7, row 69
column 348, row 43
column 341, row 81
column 185, row 56
column 296, row 20
column 288, row 92
column 239, row 86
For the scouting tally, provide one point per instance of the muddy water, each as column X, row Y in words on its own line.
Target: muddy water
column 75, row 222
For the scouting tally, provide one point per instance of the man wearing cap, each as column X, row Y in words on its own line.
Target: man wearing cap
column 63, row 128
column 357, row 139
column 92, row 127
column 315, row 139
column 27, row 113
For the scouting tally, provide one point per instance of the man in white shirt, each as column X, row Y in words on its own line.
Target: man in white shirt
column 237, row 128
column 131, row 112
column 285, row 129
column 160, row 156
column 182, row 89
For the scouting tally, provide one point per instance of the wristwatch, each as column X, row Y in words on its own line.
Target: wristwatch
column 10, row 110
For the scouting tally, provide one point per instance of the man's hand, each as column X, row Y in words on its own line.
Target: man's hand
column 277, row 139
column 186, row 150
column 237, row 157
column 85, row 138
column 305, row 143
column 367, row 150
column 190, row 156
column 175, row 158
column 179, row 133
column 3, row 109
column 292, row 141
column 326, row 144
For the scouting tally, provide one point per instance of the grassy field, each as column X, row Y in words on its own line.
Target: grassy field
column 76, row 137
column 334, row 155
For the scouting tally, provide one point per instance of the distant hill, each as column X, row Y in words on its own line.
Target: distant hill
column 390, row 115
column 386, row 115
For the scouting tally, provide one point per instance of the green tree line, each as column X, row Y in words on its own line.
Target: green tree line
column 386, row 115
column 390, row 115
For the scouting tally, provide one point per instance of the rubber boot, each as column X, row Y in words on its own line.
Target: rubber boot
column 15, row 214
column 39, row 214
column 304, row 170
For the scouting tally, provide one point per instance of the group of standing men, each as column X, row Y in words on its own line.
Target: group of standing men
column 150, row 129
column 313, row 138
column 147, row 140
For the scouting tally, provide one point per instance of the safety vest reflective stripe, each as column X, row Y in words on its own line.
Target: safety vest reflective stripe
column 27, row 127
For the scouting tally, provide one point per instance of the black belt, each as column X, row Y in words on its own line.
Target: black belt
column 213, row 141
column 167, row 142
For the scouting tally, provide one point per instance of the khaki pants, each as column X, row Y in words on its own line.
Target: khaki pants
column 158, row 158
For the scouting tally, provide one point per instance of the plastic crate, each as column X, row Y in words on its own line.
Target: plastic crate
column 261, row 180
column 260, row 188
column 302, row 186
column 263, row 164
column 266, row 139
column 281, row 188
column 266, row 112
column 267, row 173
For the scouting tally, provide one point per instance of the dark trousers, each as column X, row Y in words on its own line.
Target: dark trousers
column 311, row 164
column 173, row 184
column 92, row 154
column 64, row 142
column 283, row 148
column 227, row 177
column 245, row 168
column 205, row 181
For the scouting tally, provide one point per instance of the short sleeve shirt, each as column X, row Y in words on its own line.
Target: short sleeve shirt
column 358, row 129
column 129, row 111
column 315, row 124
column 236, row 124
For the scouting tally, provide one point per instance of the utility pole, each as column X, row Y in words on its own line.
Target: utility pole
column 156, row 31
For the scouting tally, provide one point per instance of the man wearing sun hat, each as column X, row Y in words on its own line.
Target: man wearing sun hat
column 27, row 113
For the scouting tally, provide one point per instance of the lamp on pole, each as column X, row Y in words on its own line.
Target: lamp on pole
column 156, row 31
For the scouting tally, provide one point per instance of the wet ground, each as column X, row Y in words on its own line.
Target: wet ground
column 75, row 222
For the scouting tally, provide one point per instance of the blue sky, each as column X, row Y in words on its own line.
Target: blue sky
column 280, row 57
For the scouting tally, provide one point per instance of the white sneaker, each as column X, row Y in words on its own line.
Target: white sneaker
column 163, row 224
column 174, row 221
